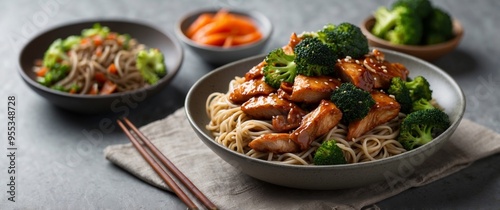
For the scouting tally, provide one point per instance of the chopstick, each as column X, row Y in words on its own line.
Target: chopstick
column 168, row 164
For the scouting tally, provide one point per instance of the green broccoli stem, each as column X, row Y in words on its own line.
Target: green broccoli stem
column 424, row 135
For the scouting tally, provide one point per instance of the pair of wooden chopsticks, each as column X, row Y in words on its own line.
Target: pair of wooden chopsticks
column 169, row 165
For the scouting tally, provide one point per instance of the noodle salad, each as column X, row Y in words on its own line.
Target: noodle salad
column 99, row 62
column 325, row 99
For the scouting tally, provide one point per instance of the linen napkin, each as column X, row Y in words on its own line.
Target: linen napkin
column 228, row 188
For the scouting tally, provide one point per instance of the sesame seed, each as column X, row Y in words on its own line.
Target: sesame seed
column 385, row 71
column 391, row 102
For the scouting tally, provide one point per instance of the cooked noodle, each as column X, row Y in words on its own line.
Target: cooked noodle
column 232, row 128
column 85, row 63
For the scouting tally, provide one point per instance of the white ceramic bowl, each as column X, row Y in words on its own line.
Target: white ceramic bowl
column 218, row 55
column 445, row 90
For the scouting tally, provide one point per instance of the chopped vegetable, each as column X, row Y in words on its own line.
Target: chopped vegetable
column 223, row 29
column 151, row 65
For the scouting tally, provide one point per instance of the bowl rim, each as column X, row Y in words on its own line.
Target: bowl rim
column 378, row 162
column 458, row 33
column 162, row 80
column 266, row 31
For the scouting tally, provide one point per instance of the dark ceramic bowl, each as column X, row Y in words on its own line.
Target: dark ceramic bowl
column 218, row 55
column 93, row 104
column 446, row 91
column 427, row 52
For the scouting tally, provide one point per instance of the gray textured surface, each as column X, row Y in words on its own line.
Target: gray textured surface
column 60, row 161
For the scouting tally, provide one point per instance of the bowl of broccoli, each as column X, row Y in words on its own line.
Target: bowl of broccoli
column 416, row 28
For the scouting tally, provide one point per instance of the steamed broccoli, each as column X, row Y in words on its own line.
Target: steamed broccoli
column 438, row 27
column 55, row 73
column 398, row 89
column 422, row 7
column 313, row 58
column 151, row 65
column 96, row 29
column 54, row 53
column 420, row 127
column 419, row 87
column 422, row 104
column 345, row 39
column 354, row 102
column 400, row 25
column 329, row 154
column 279, row 67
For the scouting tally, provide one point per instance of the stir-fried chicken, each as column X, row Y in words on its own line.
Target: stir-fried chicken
column 309, row 89
column 282, row 123
column 316, row 123
column 353, row 71
column 294, row 40
column 265, row 107
column 385, row 109
column 255, row 72
column 274, row 142
column 383, row 71
column 249, row 89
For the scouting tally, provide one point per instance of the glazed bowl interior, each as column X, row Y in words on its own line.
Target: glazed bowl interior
column 96, row 104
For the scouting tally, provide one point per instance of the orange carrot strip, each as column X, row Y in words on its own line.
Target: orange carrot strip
column 246, row 39
column 111, row 36
column 108, row 88
column 98, row 51
column 93, row 90
column 201, row 21
column 84, row 41
column 228, row 42
column 100, row 77
column 42, row 71
column 97, row 40
column 213, row 39
column 112, row 69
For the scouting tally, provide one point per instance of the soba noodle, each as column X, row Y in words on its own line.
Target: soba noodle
column 232, row 128
column 90, row 61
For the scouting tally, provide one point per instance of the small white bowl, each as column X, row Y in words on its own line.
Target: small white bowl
column 217, row 55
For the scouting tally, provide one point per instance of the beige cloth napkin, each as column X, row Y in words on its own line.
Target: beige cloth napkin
column 230, row 189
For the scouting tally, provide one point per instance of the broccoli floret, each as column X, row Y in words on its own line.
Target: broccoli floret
column 422, row 104
column 329, row 154
column 151, row 65
column 54, row 53
column 438, row 27
column 420, row 127
column 96, row 29
column 279, row 67
column 354, row 102
column 56, row 72
column 345, row 39
column 313, row 58
column 419, row 87
column 399, row 25
column 401, row 94
column 422, row 7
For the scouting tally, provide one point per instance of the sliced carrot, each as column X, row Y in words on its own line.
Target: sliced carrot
column 225, row 23
column 84, row 41
column 108, row 88
column 213, row 39
column 100, row 77
column 112, row 69
column 94, row 89
column 42, row 71
column 97, row 40
column 246, row 39
column 112, row 36
column 201, row 21
column 98, row 51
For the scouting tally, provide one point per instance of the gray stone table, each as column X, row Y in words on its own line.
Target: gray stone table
column 60, row 163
